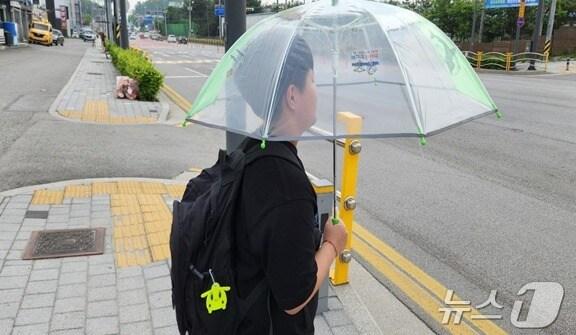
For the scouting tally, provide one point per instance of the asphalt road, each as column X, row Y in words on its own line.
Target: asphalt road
column 490, row 205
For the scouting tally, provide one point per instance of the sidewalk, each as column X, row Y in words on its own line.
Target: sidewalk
column 90, row 97
column 127, row 289
column 20, row 45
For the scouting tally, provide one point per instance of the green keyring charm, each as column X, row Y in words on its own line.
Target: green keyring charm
column 216, row 298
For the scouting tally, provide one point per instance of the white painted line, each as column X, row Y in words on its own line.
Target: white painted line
column 180, row 77
column 194, row 71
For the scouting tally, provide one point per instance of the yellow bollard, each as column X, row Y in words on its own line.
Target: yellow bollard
column 347, row 203
column 508, row 61
column 546, row 55
column 479, row 60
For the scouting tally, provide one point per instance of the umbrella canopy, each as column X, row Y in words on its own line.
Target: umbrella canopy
column 397, row 71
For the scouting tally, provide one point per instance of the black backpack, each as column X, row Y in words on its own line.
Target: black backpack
column 202, row 245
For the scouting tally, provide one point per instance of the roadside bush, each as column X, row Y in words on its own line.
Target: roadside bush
column 134, row 64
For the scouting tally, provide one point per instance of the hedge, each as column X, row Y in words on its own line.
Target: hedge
column 134, row 64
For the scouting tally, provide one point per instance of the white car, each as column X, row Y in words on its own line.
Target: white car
column 171, row 39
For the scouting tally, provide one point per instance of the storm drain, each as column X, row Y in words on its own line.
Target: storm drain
column 65, row 243
column 94, row 73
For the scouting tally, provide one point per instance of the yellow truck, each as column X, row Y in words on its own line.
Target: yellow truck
column 40, row 32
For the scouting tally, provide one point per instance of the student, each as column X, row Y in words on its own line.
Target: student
column 277, row 239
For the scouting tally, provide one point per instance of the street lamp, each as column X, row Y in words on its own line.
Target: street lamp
column 166, row 22
column 190, row 18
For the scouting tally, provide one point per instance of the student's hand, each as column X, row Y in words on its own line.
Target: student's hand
column 336, row 235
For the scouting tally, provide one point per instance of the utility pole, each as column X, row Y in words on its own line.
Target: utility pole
column 472, row 38
column 519, row 24
column 549, row 31
column 536, row 34
column 116, row 22
column 190, row 18
column 80, row 14
column 166, row 22
column 108, row 21
column 235, row 18
column 481, row 30
column 123, row 26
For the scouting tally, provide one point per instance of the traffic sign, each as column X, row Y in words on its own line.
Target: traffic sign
column 507, row 3
column 520, row 22
column 219, row 10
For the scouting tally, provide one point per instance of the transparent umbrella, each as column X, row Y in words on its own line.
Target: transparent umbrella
column 290, row 76
column 397, row 71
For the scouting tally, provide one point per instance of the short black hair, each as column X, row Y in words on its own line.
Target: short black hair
column 255, row 69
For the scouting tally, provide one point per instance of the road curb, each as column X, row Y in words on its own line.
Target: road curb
column 32, row 188
column 52, row 109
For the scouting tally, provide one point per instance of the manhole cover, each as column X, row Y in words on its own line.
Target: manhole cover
column 65, row 243
column 36, row 215
column 94, row 73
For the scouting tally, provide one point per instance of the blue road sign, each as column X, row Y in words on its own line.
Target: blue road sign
column 520, row 22
column 507, row 3
column 219, row 11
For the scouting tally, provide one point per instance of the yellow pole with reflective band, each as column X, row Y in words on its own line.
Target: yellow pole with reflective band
column 347, row 203
column 522, row 8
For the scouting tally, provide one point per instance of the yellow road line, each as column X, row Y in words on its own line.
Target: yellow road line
column 424, row 290
column 179, row 100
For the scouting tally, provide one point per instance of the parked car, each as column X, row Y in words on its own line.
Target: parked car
column 87, row 35
column 57, row 37
column 40, row 31
column 171, row 39
column 182, row 40
column 132, row 36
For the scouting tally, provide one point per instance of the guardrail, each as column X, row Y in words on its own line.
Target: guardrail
column 208, row 41
column 504, row 61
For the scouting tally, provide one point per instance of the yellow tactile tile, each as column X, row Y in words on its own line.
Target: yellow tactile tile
column 157, row 226
column 123, row 200
column 131, row 244
column 176, row 191
column 153, row 188
column 142, row 220
column 48, row 197
column 104, row 188
column 150, row 199
column 160, row 252
column 128, row 220
column 71, row 114
column 78, row 191
column 129, row 187
column 153, row 208
column 121, row 260
column 156, row 216
column 126, row 210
